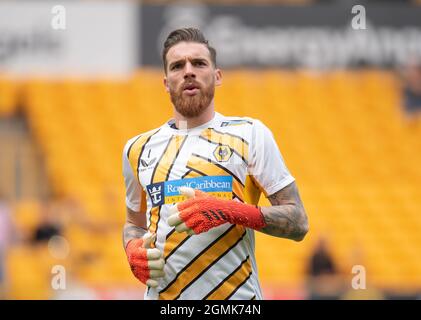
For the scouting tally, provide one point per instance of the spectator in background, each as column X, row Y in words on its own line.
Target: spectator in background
column 411, row 78
column 322, row 261
column 6, row 238
column 324, row 280
column 49, row 225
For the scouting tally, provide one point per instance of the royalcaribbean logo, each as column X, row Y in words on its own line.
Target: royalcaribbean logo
column 168, row 192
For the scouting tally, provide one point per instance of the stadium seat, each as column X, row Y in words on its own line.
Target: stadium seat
column 342, row 134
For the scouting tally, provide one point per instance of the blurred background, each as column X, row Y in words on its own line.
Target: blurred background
column 341, row 92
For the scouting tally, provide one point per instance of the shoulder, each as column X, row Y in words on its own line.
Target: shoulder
column 233, row 121
column 139, row 139
column 247, row 127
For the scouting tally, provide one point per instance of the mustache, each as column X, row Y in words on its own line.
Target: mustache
column 190, row 85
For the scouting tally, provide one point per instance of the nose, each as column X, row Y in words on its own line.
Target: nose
column 189, row 71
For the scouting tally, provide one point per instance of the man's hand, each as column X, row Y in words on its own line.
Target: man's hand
column 202, row 212
column 146, row 263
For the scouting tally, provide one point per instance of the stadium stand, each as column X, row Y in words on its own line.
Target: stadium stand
column 343, row 135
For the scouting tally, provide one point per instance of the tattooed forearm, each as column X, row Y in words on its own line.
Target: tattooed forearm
column 285, row 221
column 131, row 231
column 286, row 218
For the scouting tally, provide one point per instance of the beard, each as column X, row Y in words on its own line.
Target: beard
column 192, row 106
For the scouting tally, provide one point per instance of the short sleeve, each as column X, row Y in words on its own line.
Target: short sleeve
column 133, row 187
column 267, row 165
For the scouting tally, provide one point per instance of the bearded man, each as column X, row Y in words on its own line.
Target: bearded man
column 193, row 185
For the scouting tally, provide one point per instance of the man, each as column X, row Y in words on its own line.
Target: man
column 192, row 186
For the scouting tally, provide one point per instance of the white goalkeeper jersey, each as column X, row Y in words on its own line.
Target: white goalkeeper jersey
column 228, row 157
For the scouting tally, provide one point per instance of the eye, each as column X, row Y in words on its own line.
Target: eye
column 200, row 63
column 176, row 66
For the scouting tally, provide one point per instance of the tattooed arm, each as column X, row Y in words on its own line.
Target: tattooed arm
column 286, row 218
column 135, row 226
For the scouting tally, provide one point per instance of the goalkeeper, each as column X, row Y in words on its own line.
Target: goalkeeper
column 193, row 185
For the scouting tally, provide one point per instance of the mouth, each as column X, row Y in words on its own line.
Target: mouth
column 191, row 89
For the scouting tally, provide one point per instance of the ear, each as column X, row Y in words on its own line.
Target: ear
column 218, row 77
column 166, row 84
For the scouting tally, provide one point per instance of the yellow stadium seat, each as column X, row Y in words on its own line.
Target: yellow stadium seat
column 342, row 134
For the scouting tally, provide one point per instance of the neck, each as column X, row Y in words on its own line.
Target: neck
column 183, row 122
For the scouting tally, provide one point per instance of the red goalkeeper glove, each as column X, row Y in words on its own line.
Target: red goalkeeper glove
column 202, row 212
column 146, row 263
